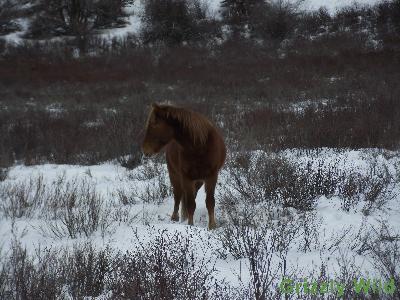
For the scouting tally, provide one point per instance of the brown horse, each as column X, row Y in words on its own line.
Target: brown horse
column 195, row 153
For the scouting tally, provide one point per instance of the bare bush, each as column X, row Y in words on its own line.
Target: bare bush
column 308, row 231
column 70, row 208
column 81, row 212
column 22, row 199
column 23, row 277
column 373, row 189
column 39, row 136
column 3, row 173
column 348, row 272
column 53, row 274
column 344, row 277
column 124, row 215
column 333, row 127
column 85, row 270
column 271, row 181
column 154, row 192
column 131, row 161
column 265, row 249
column 164, row 268
column 151, row 186
column 384, row 245
column 126, row 196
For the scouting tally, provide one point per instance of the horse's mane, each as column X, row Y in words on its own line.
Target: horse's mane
column 194, row 123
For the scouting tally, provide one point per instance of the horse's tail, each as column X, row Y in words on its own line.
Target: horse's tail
column 184, row 212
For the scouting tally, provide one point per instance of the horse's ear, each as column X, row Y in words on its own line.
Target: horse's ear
column 157, row 110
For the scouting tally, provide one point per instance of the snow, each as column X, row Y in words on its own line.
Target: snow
column 300, row 107
column 17, row 37
column 108, row 178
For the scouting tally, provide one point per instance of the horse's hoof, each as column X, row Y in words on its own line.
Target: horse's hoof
column 175, row 217
column 212, row 226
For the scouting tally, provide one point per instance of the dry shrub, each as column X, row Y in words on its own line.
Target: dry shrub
column 154, row 185
column 165, row 268
column 264, row 248
column 363, row 124
column 23, row 278
column 3, row 173
column 343, row 66
column 70, row 208
column 267, row 182
column 51, row 274
column 82, row 212
column 384, row 245
column 74, row 137
column 22, row 199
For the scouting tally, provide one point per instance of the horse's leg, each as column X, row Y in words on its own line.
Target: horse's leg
column 210, row 184
column 188, row 187
column 177, row 200
column 177, row 190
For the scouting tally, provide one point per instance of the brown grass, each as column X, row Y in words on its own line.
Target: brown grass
column 243, row 86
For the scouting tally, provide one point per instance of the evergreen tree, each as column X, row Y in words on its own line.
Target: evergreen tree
column 172, row 21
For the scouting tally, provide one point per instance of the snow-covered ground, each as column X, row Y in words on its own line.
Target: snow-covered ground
column 330, row 221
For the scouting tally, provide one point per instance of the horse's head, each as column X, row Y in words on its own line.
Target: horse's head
column 158, row 132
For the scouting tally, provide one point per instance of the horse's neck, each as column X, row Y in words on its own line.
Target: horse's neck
column 185, row 140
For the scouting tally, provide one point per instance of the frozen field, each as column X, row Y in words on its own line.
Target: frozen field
column 132, row 207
